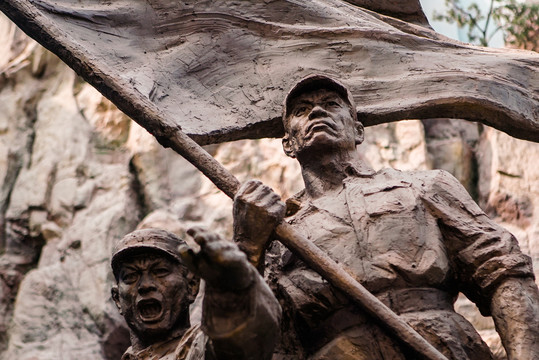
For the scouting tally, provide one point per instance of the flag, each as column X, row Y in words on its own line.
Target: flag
column 219, row 69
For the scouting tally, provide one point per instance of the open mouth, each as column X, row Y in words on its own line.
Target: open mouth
column 149, row 310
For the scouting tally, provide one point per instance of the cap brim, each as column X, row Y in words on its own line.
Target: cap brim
column 315, row 82
column 120, row 256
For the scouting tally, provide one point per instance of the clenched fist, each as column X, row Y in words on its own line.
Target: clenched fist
column 257, row 210
column 219, row 262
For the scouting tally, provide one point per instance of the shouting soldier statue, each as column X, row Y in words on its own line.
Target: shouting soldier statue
column 413, row 239
column 156, row 283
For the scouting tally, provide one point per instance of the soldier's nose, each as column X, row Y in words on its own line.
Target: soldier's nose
column 317, row 111
column 146, row 284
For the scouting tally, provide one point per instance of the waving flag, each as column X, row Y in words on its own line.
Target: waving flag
column 219, row 69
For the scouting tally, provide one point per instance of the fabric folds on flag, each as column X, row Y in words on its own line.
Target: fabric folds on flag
column 220, row 69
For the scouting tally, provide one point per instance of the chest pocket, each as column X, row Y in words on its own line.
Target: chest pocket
column 390, row 199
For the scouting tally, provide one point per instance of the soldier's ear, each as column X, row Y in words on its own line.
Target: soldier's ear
column 360, row 132
column 115, row 294
column 287, row 146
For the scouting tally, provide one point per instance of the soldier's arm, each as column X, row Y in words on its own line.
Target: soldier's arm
column 242, row 324
column 515, row 310
column 491, row 269
column 240, row 313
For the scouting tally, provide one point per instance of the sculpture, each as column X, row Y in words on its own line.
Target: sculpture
column 414, row 239
column 156, row 283
column 144, row 103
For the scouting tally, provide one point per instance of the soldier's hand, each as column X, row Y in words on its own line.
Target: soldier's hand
column 219, row 262
column 257, row 210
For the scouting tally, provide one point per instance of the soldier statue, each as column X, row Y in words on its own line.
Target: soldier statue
column 156, row 282
column 413, row 239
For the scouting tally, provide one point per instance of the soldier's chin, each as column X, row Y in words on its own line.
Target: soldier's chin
column 320, row 140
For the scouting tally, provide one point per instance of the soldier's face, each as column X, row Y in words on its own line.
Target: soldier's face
column 152, row 294
column 318, row 120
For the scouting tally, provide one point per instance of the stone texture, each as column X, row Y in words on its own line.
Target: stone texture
column 509, row 187
column 451, row 145
column 399, row 145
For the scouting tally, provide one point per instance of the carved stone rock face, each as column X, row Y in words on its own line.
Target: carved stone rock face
column 153, row 294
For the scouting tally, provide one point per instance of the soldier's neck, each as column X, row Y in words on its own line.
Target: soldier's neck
column 326, row 171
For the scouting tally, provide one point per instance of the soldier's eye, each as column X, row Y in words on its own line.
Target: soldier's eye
column 161, row 272
column 129, row 278
column 300, row 110
column 333, row 104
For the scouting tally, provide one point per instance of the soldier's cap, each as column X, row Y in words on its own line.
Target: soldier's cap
column 315, row 82
column 144, row 240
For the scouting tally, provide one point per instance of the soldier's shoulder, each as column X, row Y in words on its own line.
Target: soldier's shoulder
column 417, row 178
column 423, row 180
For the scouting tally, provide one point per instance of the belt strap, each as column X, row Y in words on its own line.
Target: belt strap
column 416, row 299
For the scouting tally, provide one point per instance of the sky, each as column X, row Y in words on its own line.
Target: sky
column 451, row 30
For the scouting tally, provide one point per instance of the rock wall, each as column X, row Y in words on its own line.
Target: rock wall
column 76, row 175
